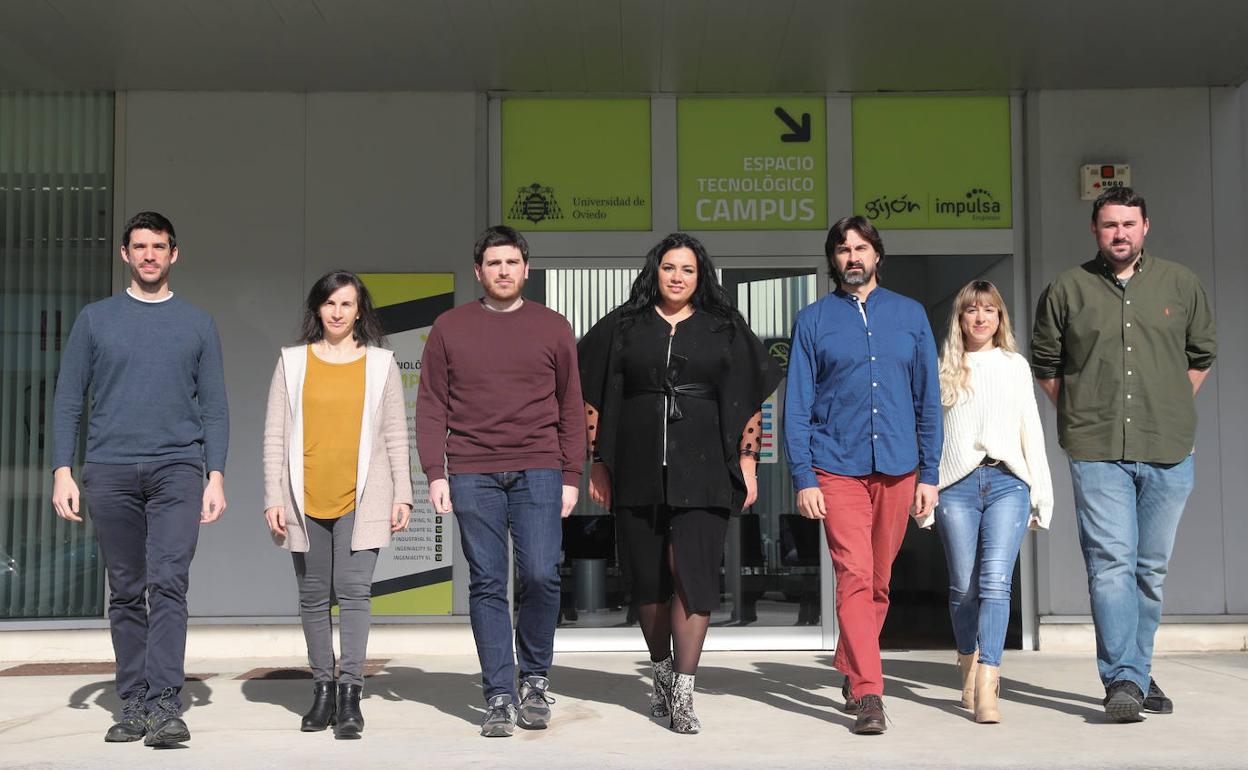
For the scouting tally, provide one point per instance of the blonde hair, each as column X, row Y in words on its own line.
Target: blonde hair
column 955, row 375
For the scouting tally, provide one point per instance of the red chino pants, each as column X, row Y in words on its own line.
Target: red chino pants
column 865, row 523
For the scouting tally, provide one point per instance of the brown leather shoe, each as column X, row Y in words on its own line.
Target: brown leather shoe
column 870, row 719
column 851, row 703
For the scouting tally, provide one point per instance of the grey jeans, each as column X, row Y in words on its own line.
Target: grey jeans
column 329, row 570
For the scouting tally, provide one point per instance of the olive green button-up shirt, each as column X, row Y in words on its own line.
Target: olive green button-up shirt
column 1123, row 352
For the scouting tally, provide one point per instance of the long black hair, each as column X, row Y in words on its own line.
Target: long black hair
column 367, row 329
column 708, row 296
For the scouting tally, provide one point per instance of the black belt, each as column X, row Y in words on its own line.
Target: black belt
column 989, row 461
column 692, row 390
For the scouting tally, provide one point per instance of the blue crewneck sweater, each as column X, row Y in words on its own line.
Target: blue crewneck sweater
column 157, row 385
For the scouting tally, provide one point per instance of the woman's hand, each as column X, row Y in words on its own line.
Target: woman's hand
column 275, row 517
column 399, row 517
column 600, row 485
column 751, row 491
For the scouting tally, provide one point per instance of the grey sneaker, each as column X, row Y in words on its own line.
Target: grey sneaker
column 165, row 727
column 133, row 723
column 534, row 703
column 500, row 717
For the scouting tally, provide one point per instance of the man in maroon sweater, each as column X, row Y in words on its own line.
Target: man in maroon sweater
column 500, row 427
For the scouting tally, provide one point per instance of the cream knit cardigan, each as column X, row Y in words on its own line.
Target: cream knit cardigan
column 383, row 471
column 1000, row 420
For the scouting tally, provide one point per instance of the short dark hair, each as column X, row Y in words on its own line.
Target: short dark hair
column 149, row 220
column 840, row 232
column 367, row 329
column 499, row 235
column 1119, row 196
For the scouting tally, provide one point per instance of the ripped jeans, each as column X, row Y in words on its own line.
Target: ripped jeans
column 982, row 519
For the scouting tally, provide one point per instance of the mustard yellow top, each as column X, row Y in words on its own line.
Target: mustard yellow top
column 333, row 408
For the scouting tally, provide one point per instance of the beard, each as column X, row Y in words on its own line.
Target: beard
column 143, row 280
column 504, row 294
column 863, row 275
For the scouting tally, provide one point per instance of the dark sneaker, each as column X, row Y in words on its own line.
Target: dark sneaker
column 851, row 703
column 500, row 717
column 1156, row 701
column 165, row 727
column 133, row 723
column 1123, row 701
column 534, row 703
column 870, row 719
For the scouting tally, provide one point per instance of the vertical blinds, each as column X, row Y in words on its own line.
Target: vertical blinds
column 56, row 179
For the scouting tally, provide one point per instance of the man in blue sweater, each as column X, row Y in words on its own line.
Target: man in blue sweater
column 158, row 420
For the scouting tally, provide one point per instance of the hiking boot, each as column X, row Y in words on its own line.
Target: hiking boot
column 851, row 703
column 165, row 727
column 500, row 717
column 661, row 675
column 1156, row 702
column 534, row 703
column 133, row 723
column 871, row 718
column 1123, row 701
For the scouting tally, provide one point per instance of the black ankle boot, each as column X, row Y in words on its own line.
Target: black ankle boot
column 321, row 715
column 350, row 721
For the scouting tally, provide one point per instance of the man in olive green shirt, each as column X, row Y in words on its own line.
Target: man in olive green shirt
column 1121, row 345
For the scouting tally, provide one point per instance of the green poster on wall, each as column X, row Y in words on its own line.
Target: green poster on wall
column 932, row 162
column 576, row 164
column 752, row 164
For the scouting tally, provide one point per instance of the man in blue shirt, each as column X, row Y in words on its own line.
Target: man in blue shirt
column 863, row 433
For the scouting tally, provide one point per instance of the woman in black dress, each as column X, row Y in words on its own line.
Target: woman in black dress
column 673, row 380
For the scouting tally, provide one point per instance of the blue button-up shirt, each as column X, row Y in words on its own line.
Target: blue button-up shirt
column 863, row 394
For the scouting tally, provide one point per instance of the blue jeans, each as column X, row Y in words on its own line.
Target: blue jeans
column 486, row 506
column 1128, row 515
column 982, row 519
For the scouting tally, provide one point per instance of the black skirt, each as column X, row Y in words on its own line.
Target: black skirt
column 696, row 536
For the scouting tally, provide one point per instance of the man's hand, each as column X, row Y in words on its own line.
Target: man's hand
column 65, row 494
column 925, row 498
column 399, row 517
column 600, row 485
column 440, row 495
column 1051, row 388
column 810, row 503
column 570, row 494
column 214, row 498
column 275, row 517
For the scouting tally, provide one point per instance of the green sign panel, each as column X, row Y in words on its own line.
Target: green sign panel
column 576, row 164
column 752, row 164
column 932, row 162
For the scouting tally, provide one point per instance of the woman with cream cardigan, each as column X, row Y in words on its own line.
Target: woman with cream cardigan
column 994, row 482
column 337, row 481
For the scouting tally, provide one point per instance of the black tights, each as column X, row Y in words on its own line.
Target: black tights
column 670, row 629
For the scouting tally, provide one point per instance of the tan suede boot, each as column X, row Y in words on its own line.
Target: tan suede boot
column 966, row 667
column 987, row 686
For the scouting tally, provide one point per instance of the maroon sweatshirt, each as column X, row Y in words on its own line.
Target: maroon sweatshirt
column 500, row 392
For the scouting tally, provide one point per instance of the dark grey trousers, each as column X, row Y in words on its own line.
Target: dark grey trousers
column 147, row 523
column 331, row 569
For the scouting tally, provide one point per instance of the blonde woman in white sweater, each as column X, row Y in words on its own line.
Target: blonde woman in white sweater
column 994, row 482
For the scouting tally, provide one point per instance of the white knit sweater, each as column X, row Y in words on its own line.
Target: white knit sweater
column 1000, row 419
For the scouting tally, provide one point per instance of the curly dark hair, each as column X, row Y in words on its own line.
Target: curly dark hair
column 367, row 329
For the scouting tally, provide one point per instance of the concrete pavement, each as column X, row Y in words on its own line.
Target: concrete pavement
column 759, row 709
